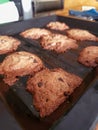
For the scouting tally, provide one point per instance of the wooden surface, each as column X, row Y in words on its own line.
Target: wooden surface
column 76, row 5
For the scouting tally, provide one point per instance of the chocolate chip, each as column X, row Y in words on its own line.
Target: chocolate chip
column 66, row 94
column 96, row 60
column 35, row 61
column 61, row 79
column 88, row 52
column 47, row 100
column 69, row 84
column 87, row 61
column 40, row 84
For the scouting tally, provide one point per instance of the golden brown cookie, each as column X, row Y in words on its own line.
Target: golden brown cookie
column 19, row 64
column 57, row 42
column 89, row 56
column 34, row 33
column 56, row 25
column 8, row 44
column 50, row 88
column 81, row 35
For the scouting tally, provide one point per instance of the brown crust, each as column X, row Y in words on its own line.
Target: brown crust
column 50, row 88
column 56, row 25
column 34, row 33
column 57, row 42
column 19, row 64
column 89, row 56
column 8, row 44
column 80, row 34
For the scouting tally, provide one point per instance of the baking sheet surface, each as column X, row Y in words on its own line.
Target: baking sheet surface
column 67, row 61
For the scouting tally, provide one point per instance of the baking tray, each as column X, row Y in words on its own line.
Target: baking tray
column 7, row 118
column 17, row 94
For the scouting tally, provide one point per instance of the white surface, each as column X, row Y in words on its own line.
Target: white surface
column 87, row 7
column 27, row 9
column 8, row 12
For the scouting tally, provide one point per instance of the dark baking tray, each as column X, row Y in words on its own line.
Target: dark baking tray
column 17, row 94
column 7, row 118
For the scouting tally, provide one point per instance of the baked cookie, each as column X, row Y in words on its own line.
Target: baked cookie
column 80, row 34
column 89, row 56
column 34, row 33
column 19, row 64
column 50, row 88
column 8, row 44
column 57, row 42
column 56, row 25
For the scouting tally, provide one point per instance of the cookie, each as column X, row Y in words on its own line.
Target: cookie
column 56, row 25
column 57, row 42
column 50, row 88
column 89, row 56
column 81, row 35
column 19, row 64
column 34, row 33
column 8, row 44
